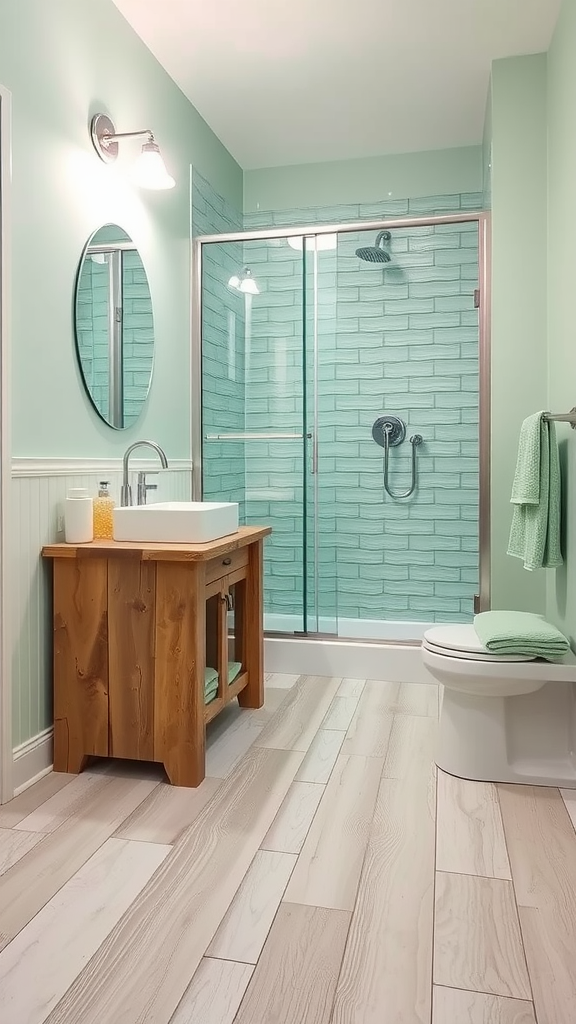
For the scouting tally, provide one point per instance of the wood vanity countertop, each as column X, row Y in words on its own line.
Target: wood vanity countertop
column 156, row 552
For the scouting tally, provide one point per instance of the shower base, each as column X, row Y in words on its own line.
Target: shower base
column 349, row 659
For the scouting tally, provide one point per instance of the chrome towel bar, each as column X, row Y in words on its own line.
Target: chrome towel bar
column 563, row 417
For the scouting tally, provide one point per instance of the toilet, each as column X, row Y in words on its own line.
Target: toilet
column 503, row 719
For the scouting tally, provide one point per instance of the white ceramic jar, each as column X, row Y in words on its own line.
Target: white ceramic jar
column 78, row 517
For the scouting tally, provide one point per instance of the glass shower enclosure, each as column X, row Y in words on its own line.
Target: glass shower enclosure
column 344, row 401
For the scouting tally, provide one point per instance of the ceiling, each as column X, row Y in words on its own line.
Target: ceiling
column 300, row 81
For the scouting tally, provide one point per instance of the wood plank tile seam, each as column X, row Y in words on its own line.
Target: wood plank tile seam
column 477, row 936
column 229, row 959
column 150, row 957
column 514, row 890
column 434, row 884
column 461, row 1006
column 481, row 992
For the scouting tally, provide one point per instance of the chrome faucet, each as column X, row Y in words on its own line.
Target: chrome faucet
column 126, row 492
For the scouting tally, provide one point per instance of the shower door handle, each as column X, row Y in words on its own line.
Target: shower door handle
column 314, row 439
column 253, row 437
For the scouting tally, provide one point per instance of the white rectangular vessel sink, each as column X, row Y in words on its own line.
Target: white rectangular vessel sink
column 176, row 522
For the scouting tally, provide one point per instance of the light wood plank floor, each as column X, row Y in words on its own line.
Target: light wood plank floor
column 324, row 873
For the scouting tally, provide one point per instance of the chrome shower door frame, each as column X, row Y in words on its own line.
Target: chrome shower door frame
column 482, row 218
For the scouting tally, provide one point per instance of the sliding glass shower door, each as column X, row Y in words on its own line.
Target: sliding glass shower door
column 312, row 348
column 257, row 373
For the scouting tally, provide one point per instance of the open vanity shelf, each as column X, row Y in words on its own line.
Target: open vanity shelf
column 135, row 626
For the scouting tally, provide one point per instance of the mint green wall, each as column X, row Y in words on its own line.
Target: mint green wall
column 374, row 179
column 487, row 153
column 63, row 60
column 518, row 299
column 561, row 283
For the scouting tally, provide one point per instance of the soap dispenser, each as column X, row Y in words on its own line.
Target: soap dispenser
column 103, row 518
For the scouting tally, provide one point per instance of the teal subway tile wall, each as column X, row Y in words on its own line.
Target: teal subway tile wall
column 402, row 339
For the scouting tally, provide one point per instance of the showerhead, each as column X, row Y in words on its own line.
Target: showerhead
column 376, row 253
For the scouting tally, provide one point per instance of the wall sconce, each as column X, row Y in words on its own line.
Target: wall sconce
column 244, row 282
column 149, row 169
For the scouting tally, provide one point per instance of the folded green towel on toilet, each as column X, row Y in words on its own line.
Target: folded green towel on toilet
column 512, row 633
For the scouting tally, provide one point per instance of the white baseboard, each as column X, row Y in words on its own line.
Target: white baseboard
column 390, row 662
column 32, row 760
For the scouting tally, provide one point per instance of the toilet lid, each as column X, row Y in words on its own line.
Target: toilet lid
column 461, row 641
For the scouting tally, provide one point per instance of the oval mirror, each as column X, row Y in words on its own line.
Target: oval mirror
column 114, row 326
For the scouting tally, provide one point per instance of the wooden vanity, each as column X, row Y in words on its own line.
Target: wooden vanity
column 134, row 628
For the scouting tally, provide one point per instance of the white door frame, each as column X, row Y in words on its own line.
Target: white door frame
column 6, row 755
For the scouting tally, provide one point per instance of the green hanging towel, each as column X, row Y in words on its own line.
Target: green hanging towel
column 535, row 531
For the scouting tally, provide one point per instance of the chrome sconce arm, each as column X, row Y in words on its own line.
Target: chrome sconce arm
column 150, row 169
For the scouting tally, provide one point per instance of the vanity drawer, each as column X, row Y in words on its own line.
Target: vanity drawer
column 219, row 567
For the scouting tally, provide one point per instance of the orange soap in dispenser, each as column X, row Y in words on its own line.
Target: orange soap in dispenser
column 103, row 506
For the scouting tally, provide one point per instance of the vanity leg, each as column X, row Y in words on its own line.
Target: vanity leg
column 179, row 730
column 67, row 758
column 80, row 662
column 251, row 628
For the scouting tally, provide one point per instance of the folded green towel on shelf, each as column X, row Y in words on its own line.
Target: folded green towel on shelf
column 504, row 632
column 210, row 684
column 234, row 669
column 211, row 679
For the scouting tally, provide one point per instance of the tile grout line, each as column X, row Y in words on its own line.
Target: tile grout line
column 324, row 786
column 226, row 959
column 69, row 879
column 331, row 1017
column 470, row 874
column 566, row 805
column 286, row 886
column 516, row 904
column 492, row 995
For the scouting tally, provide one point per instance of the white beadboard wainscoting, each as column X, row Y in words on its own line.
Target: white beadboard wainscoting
column 39, row 488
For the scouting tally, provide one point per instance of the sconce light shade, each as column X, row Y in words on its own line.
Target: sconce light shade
column 244, row 282
column 249, row 286
column 150, row 170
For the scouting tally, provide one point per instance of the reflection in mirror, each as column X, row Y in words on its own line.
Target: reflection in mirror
column 114, row 326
